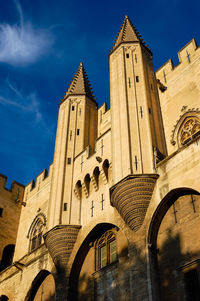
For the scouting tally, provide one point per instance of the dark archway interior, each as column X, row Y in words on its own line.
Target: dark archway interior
column 81, row 255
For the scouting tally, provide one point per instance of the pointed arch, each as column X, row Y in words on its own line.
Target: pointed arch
column 36, row 231
column 36, row 284
column 41, row 216
column 80, row 257
column 87, row 180
column 96, row 174
column 162, row 238
column 105, row 167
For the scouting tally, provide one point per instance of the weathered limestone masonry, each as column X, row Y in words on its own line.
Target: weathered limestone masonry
column 117, row 215
column 11, row 202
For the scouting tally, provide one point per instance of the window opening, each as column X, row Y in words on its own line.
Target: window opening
column 137, row 79
column 65, row 207
column 72, row 108
column 129, row 82
column 136, row 58
column 70, row 137
column 36, row 236
column 78, row 132
column 106, row 250
column 127, row 55
column 141, row 112
column 1, row 212
column 68, row 160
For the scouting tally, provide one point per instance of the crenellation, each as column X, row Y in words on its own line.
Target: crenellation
column 163, row 72
column 186, row 55
column 15, row 192
column 103, row 119
column 3, row 181
column 41, row 180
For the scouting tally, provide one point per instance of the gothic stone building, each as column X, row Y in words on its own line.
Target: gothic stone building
column 117, row 216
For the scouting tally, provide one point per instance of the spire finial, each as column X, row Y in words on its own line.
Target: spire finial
column 80, row 84
column 128, row 33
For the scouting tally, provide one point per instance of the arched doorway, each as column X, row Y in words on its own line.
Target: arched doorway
column 174, row 247
column 42, row 288
column 101, row 267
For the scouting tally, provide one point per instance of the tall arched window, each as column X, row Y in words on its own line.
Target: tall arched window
column 36, row 231
column 36, row 235
column 106, row 249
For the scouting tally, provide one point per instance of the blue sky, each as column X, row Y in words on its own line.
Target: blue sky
column 42, row 43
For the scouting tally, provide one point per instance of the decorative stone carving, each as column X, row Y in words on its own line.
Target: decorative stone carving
column 60, row 241
column 187, row 127
column 131, row 198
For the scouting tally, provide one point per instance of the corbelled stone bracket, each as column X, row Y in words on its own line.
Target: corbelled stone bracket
column 131, row 198
column 60, row 241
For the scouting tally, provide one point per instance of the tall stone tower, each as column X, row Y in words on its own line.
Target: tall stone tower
column 137, row 130
column 136, row 124
column 77, row 128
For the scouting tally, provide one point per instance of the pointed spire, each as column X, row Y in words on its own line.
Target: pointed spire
column 80, row 84
column 128, row 33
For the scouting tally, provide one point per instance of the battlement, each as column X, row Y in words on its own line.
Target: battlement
column 41, row 179
column 186, row 56
column 16, row 191
column 103, row 119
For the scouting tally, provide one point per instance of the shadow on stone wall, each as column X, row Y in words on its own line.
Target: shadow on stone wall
column 174, row 266
column 170, row 269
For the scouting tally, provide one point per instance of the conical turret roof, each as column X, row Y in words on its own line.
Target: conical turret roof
column 80, row 84
column 128, row 33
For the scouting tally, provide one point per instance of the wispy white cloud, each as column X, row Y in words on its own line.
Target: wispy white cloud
column 26, row 104
column 23, row 44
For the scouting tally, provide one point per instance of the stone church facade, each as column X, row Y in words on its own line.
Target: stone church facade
column 117, row 215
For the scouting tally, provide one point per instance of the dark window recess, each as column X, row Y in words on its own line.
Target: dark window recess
column 149, row 111
column 78, row 131
column 68, row 160
column 127, row 55
column 65, row 207
column 137, row 79
column 136, row 58
column 70, row 137
column 72, row 108
column 192, row 286
column 1, row 212
column 7, row 257
column 151, row 87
